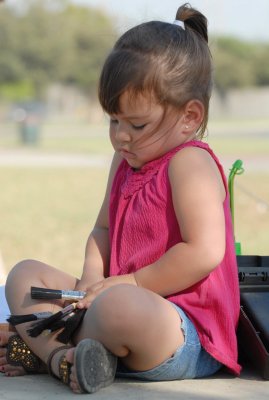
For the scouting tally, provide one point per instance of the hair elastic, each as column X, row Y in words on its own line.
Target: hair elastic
column 179, row 23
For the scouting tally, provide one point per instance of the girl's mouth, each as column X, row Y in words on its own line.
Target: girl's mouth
column 126, row 154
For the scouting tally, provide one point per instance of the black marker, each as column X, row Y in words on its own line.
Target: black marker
column 43, row 293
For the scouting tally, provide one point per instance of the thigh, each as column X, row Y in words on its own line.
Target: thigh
column 34, row 273
column 134, row 323
column 189, row 361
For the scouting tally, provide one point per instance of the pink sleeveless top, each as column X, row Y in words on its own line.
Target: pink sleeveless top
column 143, row 226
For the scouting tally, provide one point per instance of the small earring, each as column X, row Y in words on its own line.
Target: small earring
column 187, row 126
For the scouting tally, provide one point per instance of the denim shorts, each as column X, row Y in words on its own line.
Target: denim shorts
column 189, row 361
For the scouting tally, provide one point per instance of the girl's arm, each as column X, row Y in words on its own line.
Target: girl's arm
column 97, row 251
column 198, row 194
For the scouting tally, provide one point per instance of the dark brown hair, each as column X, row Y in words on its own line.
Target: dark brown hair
column 161, row 58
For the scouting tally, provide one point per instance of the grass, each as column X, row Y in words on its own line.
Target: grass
column 252, row 212
column 240, row 147
column 47, row 213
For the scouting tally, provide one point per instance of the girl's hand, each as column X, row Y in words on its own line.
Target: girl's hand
column 102, row 285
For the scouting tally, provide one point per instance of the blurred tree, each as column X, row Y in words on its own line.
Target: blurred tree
column 46, row 41
column 87, row 39
column 239, row 63
column 11, row 67
column 233, row 63
column 262, row 65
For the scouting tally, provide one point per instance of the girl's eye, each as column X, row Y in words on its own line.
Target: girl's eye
column 114, row 121
column 139, row 127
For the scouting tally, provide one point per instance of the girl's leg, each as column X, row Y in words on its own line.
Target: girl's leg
column 34, row 273
column 133, row 323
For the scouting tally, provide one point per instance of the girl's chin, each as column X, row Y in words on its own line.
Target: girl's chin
column 135, row 164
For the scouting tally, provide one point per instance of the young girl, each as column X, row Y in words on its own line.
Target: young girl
column 160, row 269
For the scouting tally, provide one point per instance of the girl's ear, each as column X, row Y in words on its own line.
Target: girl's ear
column 193, row 115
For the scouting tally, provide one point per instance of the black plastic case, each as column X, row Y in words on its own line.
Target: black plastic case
column 253, row 329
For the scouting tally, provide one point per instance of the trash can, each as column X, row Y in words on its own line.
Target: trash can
column 30, row 129
column 28, row 116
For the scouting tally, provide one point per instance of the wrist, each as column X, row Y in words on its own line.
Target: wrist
column 90, row 279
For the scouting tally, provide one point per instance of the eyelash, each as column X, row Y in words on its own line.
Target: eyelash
column 137, row 128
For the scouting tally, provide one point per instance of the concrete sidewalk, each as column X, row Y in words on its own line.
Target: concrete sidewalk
column 249, row 386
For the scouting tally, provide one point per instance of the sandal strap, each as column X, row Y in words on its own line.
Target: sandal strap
column 18, row 353
column 64, row 370
column 64, row 366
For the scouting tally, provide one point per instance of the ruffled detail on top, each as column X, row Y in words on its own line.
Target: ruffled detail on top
column 136, row 179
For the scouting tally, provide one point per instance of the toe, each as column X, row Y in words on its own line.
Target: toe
column 11, row 370
column 70, row 355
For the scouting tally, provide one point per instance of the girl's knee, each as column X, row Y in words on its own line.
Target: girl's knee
column 115, row 298
column 115, row 307
column 20, row 271
column 20, row 276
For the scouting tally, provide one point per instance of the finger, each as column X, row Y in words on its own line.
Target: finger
column 86, row 301
column 83, row 304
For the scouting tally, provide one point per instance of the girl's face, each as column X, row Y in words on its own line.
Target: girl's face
column 143, row 130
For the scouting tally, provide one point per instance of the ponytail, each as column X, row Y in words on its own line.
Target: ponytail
column 193, row 20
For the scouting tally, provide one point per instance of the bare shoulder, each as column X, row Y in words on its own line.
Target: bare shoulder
column 192, row 157
column 196, row 164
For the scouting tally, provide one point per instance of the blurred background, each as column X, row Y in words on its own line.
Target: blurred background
column 54, row 146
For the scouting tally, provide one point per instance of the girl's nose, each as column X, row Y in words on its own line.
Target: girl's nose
column 122, row 133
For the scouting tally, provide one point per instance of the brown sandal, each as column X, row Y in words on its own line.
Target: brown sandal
column 95, row 366
column 64, row 367
column 19, row 354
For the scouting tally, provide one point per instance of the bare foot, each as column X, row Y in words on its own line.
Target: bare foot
column 5, row 368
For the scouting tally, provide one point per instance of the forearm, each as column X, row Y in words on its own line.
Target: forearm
column 96, row 261
column 179, row 268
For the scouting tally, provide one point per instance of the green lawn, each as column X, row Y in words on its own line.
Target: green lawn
column 252, row 212
column 47, row 213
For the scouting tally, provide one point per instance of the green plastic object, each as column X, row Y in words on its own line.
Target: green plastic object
column 237, row 169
